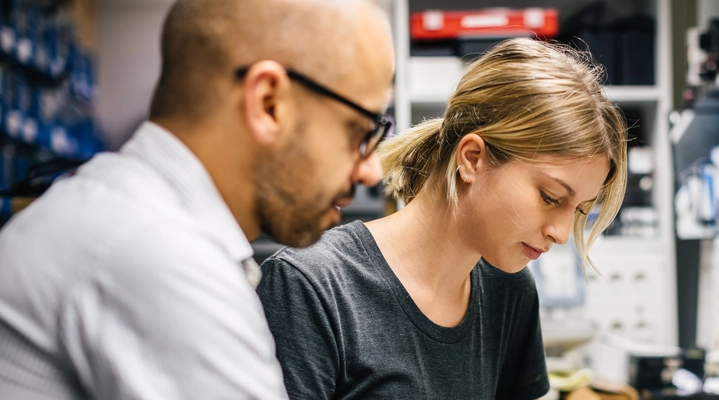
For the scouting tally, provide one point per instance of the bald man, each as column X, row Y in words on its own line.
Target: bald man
column 133, row 279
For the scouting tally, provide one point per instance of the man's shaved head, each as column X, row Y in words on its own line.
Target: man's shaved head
column 283, row 157
column 204, row 41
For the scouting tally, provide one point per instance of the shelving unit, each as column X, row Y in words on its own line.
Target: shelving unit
column 636, row 296
column 47, row 93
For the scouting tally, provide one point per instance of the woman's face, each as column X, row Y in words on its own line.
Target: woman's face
column 520, row 209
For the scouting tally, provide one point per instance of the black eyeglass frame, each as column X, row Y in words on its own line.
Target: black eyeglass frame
column 382, row 124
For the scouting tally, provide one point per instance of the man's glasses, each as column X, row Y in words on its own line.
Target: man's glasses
column 381, row 124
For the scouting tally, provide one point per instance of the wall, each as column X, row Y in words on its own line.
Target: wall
column 128, row 63
column 705, row 10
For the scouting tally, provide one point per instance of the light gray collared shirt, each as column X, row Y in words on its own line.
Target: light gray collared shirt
column 129, row 280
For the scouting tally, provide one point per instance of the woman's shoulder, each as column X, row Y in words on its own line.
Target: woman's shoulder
column 339, row 253
column 337, row 242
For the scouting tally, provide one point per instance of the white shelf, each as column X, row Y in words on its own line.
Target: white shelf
column 637, row 244
column 428, row 98
column 433, row 79
column 629, row 94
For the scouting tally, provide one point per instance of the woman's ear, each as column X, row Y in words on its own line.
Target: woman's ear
column 471, row 157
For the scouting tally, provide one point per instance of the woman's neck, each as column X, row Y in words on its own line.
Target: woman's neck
column 424, row 246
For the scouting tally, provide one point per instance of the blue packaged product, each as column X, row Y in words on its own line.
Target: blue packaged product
column 50, row 40
column 8, row 31
column 23, row 45
column 5, row 209
column 8, row 161
column 21, row 164
column 13, row 123
column 19, row 105
column 24, row 50
column 3, row 95
column 29, row 133
column 3, row 175
column 43, row 134
column 7, row 39
column 60, row 54
column 88, row 141
column 64, row 143
column 48, row 104
column 33, row 101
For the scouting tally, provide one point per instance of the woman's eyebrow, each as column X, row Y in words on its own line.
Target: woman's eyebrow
column 571, row 191
column 564, row 184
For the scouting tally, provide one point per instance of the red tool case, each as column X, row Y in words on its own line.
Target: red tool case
column 500, row 22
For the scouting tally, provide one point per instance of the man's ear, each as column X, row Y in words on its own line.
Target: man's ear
column 266, row 94
column 471, row 157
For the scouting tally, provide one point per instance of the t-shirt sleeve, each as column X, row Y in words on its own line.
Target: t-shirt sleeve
column 180, row 323
column 300, row 321
column 534, row 380
column 525, row 370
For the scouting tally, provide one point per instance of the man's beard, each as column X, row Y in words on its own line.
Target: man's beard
column 296, row 221
column 298, row 231
column 290, row 202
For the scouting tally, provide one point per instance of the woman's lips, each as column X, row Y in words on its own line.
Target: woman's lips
column 531, row 252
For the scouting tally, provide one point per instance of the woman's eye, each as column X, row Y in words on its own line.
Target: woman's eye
column 549, row 200
column 579, row 210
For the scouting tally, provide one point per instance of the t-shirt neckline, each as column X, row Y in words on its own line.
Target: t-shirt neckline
column 406, row 303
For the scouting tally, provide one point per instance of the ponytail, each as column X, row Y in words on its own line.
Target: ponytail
column 409, row 159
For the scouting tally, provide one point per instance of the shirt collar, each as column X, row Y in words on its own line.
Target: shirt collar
column 189, row 179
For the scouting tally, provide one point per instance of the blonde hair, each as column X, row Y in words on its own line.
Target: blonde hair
column 524, row 98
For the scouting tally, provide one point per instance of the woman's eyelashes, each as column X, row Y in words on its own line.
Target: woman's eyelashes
column 548, row 199
column 552, row 201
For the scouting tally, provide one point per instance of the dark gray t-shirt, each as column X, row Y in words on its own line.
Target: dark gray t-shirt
column 346, row 328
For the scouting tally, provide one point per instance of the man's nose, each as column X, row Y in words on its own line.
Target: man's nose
column 367, row 171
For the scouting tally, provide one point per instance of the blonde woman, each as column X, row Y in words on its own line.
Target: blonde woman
column 434, row 301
